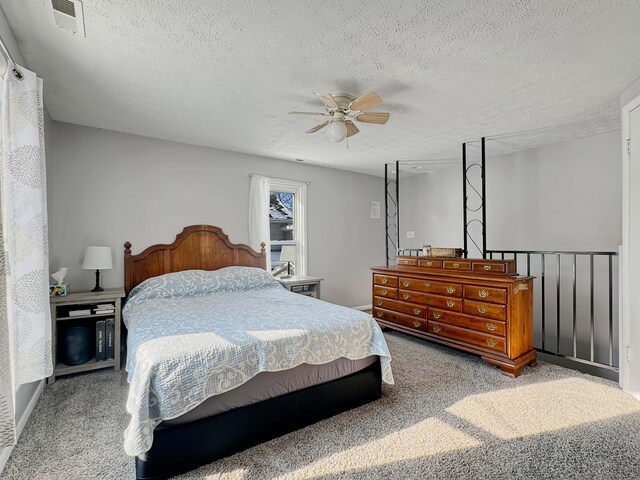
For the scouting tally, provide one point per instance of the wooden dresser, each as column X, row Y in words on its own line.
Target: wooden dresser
column 476, row 305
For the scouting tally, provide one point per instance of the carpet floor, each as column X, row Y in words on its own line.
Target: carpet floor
column 449, row 415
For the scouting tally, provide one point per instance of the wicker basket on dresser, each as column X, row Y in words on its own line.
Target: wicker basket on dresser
column 480, row 306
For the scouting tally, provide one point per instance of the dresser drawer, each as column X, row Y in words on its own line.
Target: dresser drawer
column 453, row 304
column 488, row 310
column 428, row 286
column 490, row 342
column 402, row 307
column 380, row 291
column 413, row 297
column 485, row 294
column 489, row 267
column 456, row 265
column 409, row 262
column 400, row 319
column 493, row 327
column 430, row 263
column 385, row 280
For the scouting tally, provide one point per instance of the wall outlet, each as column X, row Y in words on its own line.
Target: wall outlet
column 411, row 234
column 375, row 210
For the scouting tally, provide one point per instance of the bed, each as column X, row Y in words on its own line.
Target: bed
column 221, row 357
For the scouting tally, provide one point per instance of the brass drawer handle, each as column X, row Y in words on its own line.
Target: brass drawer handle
column 380, row 314
column 385, row 281
column 437, row 315
column 492, row 343
column 429, row 264
column 491, row 327
column 482, row 309
column 405, row 284
column 451, row 290
column 487, row 267
column 417, row 311
column 437, row 328
column 427, row 284
column 416, row 323
column 379, row 302
column 406, row 296
column 483, row 294
column 406, row 262
column 456, row 265
column 384, row 293
column 451, row 303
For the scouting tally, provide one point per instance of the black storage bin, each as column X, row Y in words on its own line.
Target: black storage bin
column 77, row 345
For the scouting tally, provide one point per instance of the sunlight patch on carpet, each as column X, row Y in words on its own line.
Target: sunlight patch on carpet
column 426, row 438
column 543, row 407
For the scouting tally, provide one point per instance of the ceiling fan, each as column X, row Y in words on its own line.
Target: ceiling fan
column 342, row 108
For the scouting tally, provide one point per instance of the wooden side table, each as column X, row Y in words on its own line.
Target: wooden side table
column 304, row 285
column 81, row 300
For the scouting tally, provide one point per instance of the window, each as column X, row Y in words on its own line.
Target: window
column 287, row 227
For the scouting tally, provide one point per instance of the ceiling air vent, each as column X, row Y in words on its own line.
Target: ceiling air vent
column 68, row 15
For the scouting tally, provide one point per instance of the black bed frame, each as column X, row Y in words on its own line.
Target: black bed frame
column 180, row 448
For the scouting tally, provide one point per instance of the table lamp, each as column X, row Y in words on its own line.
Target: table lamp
column 97, row 258
column 288, row 254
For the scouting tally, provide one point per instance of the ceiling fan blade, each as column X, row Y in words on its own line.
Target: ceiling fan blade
column 318, row 127
column 308, row 113
column 365, row 102
column 351, row 128
column 327, row 99
column 373, row 117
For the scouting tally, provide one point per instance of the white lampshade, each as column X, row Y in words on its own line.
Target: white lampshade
column 337, row 131
column 97, row 258
column 288, row 253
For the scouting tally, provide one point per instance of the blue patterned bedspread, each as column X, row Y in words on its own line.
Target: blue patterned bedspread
column 196, row 334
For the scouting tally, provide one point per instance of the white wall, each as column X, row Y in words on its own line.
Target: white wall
column 565, row 196
column 108, row 188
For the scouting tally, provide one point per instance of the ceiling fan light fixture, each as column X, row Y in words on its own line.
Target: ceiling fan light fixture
column 337, row 131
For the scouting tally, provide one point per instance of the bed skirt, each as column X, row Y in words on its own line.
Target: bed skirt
column 180, row 448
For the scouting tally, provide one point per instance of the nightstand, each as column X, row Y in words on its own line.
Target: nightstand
column 61, row 316
column 304, row 285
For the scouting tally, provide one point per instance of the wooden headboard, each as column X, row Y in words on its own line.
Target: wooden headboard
column 198, row 247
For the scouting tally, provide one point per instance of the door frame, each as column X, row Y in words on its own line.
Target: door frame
column 625, row 347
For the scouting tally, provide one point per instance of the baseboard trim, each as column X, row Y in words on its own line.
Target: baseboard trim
column 5, row 453
column 363, row 308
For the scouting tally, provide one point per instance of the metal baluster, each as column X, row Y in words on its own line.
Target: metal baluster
column 591, row 304
column 610, row 311
column 557, row 303
column 528, row 265
column 542, row 295
column 575, row 330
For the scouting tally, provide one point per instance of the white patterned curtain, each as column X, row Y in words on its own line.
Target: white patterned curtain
column 25, row 324
column 259, row 214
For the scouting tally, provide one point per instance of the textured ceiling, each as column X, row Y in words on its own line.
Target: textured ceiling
column 225, row 73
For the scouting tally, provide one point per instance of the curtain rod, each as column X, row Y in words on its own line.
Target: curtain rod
column 17, row 73
column 287, row 179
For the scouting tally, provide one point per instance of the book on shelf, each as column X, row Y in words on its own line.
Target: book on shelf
column 79, row 313
column 110, row 332
column 100, row 340
column 103, row 312
column 104, row 306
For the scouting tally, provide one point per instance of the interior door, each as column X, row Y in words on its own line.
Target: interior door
column 632, row 348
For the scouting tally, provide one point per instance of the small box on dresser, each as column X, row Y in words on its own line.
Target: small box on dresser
column 477, row 305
